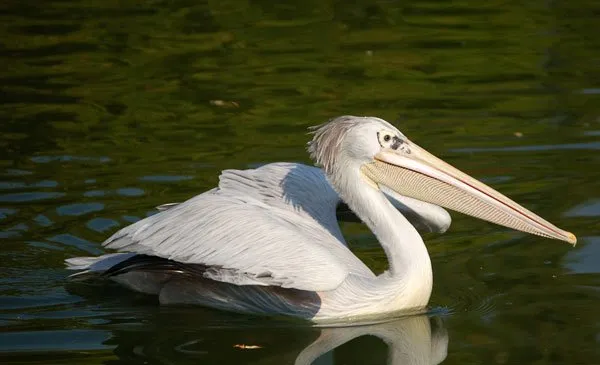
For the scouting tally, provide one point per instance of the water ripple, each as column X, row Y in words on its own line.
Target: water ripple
column 94, row 193
column 68, row 158
column 28, row 197
column 5, row 212
column 130, row 192
column 15, row 230
column 45, row 245
column 74, row 241
column 550, row 147
column 588, row 209
column 130, row 218
column 9, row 185
column 77, row 339
column 591, row 91
column 102, row 224
column 16, row 172
column 42, row 220
column 584, row 260
column 79, row 209
column 165, row 178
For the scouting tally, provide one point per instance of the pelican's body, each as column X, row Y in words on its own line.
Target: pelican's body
column 266, row 241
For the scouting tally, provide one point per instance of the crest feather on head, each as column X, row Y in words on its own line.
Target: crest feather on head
column 327, row 140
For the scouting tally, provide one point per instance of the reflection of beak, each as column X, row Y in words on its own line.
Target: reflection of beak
column 416, row 173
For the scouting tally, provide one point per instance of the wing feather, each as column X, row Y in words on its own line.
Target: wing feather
column 258, row 236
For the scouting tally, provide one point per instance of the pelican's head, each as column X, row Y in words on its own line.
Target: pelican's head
column 389, row 161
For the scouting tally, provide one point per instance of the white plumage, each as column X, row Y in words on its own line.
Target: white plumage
column 248, row 244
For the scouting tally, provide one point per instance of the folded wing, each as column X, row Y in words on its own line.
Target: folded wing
column 248, row 236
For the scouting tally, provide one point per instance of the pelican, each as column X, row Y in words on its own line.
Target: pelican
column 266, row 241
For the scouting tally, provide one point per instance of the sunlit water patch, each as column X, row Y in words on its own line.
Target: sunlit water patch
column 588, row 209
column 586, row 259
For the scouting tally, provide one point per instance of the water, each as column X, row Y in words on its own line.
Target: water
column 108, row 109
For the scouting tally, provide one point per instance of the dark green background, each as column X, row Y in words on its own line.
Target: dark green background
column 109, row 108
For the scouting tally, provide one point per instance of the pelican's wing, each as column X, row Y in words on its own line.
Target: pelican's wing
column 300, row 189
column 247, row 236
column 294, row 187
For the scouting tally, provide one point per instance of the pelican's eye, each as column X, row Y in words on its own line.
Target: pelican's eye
column 388, row 139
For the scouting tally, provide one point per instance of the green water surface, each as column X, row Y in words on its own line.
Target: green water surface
column 110, row 108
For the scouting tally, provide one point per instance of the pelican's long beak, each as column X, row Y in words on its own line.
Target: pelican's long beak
column 414, row 172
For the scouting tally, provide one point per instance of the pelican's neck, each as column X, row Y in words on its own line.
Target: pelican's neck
column 406, row 252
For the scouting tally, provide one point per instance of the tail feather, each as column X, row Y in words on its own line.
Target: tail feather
column 94, row 266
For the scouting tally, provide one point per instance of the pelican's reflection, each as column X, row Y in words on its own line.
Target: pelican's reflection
column 409, row 340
